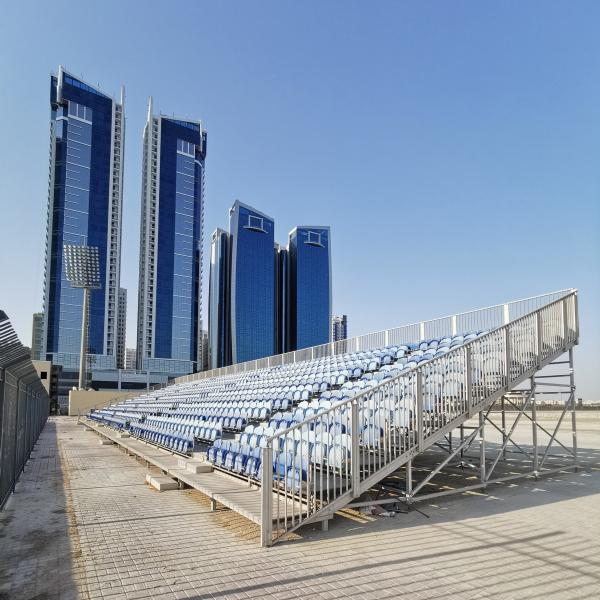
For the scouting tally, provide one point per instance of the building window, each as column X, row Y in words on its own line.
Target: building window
column 314, row 238
column 255, row 223
column 185, row 147
column 43, row 374
column 80, row 111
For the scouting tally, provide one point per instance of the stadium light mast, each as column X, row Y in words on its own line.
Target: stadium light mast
column 82, row 269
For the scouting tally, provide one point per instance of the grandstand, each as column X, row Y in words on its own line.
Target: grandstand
column 309, row 432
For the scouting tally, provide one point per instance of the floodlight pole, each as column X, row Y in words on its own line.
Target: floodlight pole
column 84, row 339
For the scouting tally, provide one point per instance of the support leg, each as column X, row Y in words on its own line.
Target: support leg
column 409, row 482
column 482, row 476
column 573, row 409
column 534, row 431
column 503, row 408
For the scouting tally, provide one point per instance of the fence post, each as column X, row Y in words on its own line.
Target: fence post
column 505, row 314
column 468, row 379
column 508, row 356
column 538, row 327
column 420, row 432
column 355, row 451
column 266, row 490
column 565, row 322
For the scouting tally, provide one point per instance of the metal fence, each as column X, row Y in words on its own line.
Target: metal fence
column 382, row 427
column 24, row 406
column 474, row 320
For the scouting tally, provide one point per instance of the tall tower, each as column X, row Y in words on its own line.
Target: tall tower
column 121, row 328
column 309, row 292
column 85, row 199
column 339, row 328
column 169, row 329
column 219, row 339
column 252, row 301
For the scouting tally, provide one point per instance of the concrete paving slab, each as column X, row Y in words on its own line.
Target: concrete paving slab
column 82, row 524
column 162, row 484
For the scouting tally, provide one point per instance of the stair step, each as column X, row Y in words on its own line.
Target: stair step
column 161, row 483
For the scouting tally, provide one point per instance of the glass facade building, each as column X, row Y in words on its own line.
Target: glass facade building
column 252, row 275
column 309, row 289
column 264, row 298
column 219, row 340
column 84, row 208
column 171, row 225
column 281, row 299
column 37, row 337
column 339, row 328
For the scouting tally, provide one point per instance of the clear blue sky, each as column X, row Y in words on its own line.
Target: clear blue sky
column 453, row 147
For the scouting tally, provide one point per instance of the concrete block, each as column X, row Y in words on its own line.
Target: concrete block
column 198, row 467
column 124, row 435
column 161, row 483
column 106, row 442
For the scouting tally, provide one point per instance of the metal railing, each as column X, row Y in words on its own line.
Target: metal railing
column 24, row 406
column 474, row 320
column 306, row 476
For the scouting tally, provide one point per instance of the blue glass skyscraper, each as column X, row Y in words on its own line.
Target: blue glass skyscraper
column 252, row 304
column 309, row 291
column 170, row 294
column 219, row 339
column 265, row 298
column 84, row 208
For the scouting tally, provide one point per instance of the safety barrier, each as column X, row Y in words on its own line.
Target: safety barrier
column 24, row 406
column 474, row 320
column 332, row 457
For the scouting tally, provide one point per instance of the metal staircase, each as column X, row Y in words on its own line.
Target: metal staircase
column 386, row 427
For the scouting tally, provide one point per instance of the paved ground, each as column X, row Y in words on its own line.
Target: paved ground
column 84, row 525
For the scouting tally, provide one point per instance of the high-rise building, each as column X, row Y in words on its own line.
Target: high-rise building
column 170, row 294
column 130, row 358
column 265, row 298
column 37, row 337
column 309, row 289
column 339, row 328
column 281, row 299
column 204, row 354
column 219, row 341
column 84, row 208
column 252, row 273
column 121, row 327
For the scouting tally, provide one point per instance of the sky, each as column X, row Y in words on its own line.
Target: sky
column 453, row 147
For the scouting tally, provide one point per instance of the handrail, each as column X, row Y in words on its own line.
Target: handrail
column 342, row 346
column 404, row 414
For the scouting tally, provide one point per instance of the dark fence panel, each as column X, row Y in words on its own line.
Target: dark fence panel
column 24, row 406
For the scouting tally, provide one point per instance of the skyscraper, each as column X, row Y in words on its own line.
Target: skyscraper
column 281, row 299
column 339, row 328
column 265, row 298
column 37, row 337
column 130, row 358
column 170, row 294
column 84, row 208
column 219, row 340
column 252, row 302
column 121, row 327
column 309, row 290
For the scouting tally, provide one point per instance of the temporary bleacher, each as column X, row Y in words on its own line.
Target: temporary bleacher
column 323, row 425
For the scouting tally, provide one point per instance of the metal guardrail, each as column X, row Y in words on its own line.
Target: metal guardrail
column 381, row 428
column 474, row 320
column 24, row 407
